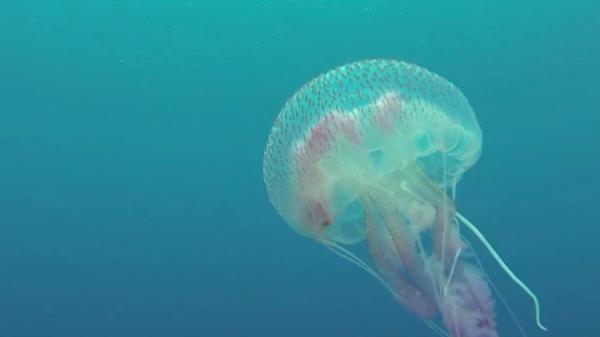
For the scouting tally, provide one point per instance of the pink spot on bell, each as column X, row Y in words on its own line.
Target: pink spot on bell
column 387, row 108
column 318, row 140
column 348, row 127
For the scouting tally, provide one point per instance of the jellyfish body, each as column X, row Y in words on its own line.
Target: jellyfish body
column 368, row 152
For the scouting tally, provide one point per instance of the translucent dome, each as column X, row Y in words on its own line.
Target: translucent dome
column 358, row 124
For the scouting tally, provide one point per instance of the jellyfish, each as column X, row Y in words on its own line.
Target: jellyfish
column 371, row 153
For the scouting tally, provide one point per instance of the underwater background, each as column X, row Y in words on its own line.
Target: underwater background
column 131, row 139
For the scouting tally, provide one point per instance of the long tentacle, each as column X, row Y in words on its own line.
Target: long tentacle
column 348, row 256
column 496, row 290
column 505, row 267
column 445, row 210
column 451, row 274
column 439, row 331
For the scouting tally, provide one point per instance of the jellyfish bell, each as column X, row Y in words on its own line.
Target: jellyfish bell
column 367, row 153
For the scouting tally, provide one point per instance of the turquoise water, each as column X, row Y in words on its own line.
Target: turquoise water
column 131, row 137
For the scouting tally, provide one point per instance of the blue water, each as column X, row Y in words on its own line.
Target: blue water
column 131, row 139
